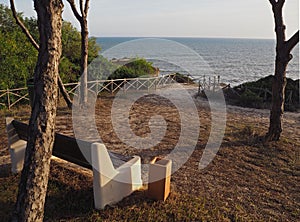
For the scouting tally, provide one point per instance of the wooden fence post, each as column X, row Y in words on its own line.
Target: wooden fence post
column 8, row 98
column 214, row 86
column 112, row 87
column 124, row 86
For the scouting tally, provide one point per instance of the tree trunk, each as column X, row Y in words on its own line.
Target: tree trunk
column 64, row 92
column 84, row 62
column 84, row 46
column 278, row 98
column 283, row 56
column 34, row 178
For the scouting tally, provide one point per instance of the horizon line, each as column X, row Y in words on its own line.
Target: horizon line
column 190, row 37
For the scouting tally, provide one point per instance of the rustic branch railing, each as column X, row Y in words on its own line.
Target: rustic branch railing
column 12, row 97
column 125, row 85
column 209, row 84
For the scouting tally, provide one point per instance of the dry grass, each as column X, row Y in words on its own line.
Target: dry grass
column 247, row 181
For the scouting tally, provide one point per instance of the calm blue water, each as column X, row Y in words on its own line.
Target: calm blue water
column 235, row 60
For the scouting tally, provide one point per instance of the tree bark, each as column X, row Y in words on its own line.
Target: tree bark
column 34, row 177
column 35, row 45
column 64, row 93
column 278, row 98
column 84, row 62
column 283, row 56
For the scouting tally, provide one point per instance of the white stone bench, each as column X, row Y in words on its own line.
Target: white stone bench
column 16, row 147
column 110, row 184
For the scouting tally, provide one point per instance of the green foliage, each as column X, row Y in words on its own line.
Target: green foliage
column 94, row 49
column 265, row 83
column 180, row 78
column 257, row 94
column 7, row 23
column 141, row 67
column 18, row 57
column 133, row 69
column 68, row 71
column 69, row 67
column 71, row 42
column 32, row 26
column 136, row 68
column 100, row 68
column 123, row 72
column 249, row 98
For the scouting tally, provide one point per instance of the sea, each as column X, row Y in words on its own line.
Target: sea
column 235, row 61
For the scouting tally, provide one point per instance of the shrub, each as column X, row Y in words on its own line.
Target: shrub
column 250, row 99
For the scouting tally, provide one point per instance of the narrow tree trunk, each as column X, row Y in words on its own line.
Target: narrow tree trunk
column 278, row 98
column 84, row 62
column 34, row 178
column 283, row 56
column 84, row 46
column 64, row 92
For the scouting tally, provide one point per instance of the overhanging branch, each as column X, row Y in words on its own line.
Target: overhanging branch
column 74, row 9
column 86, row 7
column 81, row 8
column 22, row 26
column 273, row 2
column 37, row 47
column 293, row 41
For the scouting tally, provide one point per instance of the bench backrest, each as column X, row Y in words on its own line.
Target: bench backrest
column 67, row 148
column 64, row 147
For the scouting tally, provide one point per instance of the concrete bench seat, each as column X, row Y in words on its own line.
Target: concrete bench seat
column 114, row 176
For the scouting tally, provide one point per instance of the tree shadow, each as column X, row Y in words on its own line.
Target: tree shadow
column 246, row 136
column 5, row 170
column 7, row 208
column 64, row 201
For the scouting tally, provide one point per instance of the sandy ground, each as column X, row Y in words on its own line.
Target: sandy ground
column 261, row 180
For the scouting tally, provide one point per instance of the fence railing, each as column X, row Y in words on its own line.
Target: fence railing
column 209, row 84
column 114, row 85
column 12, row 97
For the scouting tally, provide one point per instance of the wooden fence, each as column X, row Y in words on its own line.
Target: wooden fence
column 12, row 97
column 208, row 84
column 114, row 85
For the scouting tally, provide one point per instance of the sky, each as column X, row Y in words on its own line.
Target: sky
column 178, row 18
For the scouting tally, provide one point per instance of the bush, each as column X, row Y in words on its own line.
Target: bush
column 250, row 99
column 134, row 69
column 254, row 94
column 180, row 78
column 124, row 73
